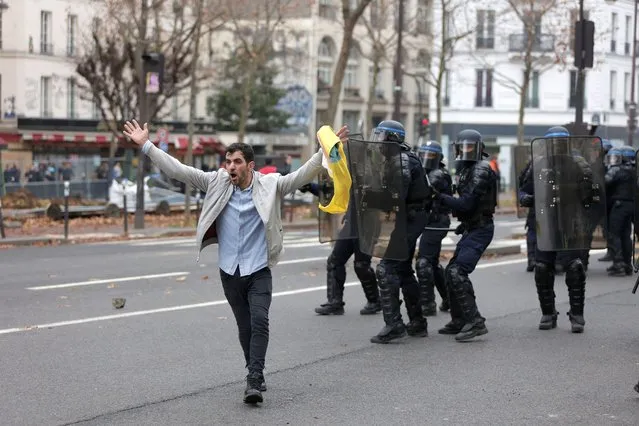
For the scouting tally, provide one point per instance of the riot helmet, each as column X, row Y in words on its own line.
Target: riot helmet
column 614, row 156
column 606, row 145
column 558, row 141
column 469, row 146
column 628, row 154
column 431, row 155
column 388, row 131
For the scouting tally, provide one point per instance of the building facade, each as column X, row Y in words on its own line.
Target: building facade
column 485, row 74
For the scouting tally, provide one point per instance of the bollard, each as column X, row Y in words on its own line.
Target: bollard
column 126, row 215
column 66, row 210
column 1, row 221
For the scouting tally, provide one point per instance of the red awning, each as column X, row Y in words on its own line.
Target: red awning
column 73, row 137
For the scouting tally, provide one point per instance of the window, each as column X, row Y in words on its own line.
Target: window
column 628, row 39
column 376, row 19
column 485, row 29
column 72, row 24
column 421, row 17
column 613, row 90
column 379, row 86
column 532, row 97
column 484, row 88
column 351, row 119
column 71, row 98
column 532, row 25
column 326, row 9
column 626, row 89
column 352, row 68
column 46, row 47
column 572, row 101
column 325, row 64
column 45, row 97
column 613, row 35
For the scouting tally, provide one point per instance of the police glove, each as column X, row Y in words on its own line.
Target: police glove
column 460, row 229
column 527, row 201
column 305, row 188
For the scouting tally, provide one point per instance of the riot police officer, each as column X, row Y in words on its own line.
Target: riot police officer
column 430, row 273
column 620, row 187
column 474, row 208
column 607, row 146
column 344, row 247
column 395, row 274
column 545, row 260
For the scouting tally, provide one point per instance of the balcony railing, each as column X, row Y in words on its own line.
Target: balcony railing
column 540, row 43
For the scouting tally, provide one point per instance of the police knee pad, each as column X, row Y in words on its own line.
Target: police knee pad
column 331, row 262
column 575, row 271
column 423, row 268
column 543, row 271
column 454, row 275
column 362, row 267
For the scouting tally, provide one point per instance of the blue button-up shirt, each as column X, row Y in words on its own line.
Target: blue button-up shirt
column 241, row 235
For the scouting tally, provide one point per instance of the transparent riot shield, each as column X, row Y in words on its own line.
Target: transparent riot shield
column 376, row 171
column 569, row 192
column 521, row 157
column 333, row 227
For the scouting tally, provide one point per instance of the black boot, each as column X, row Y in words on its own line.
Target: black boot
column 334, row 292
column 368, row 280
column 545, row 283
column 456, row 323
column 426, row 284
column 618, row 269
column 389, row 294
column 440, row 284
column 417, row 325
column 576, row 283
column 607, row 257
column 462, row 290
column 252, row 394
column 636, row 388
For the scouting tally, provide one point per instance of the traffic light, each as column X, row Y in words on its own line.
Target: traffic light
column 424, row 127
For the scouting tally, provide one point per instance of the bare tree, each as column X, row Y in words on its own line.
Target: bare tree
column 350, row 16
column 382, row 41
column 111, row 64
column 254, row 25
column 543, row 29
column 450, row 32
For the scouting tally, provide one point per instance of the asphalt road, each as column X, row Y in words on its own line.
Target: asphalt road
column 171, row 355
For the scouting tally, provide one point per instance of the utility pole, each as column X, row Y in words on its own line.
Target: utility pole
column 398, row 64
column 581, row 74
column 632, row 109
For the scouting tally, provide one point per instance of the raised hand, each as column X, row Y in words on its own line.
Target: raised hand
column 342, row 134
column 136, row 133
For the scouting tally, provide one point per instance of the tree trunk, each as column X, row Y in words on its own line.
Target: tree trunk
column 528, row 64
column 440, row 73
column 246, row 102
column 371, row 94
column 192, row 99
column 338, row 77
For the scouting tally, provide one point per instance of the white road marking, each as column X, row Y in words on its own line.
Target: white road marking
column 202, row 305
column 112, row 280
column 144, row 277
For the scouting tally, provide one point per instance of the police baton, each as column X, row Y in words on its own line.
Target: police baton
column 66, row 210
column 634, row 289
column 428, row 228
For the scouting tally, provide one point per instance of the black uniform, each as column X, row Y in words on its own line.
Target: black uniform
column 394, row 274
column 343, row 248
column 528, row 201
column 620, row 188
column 474, row 208
column 430, row 273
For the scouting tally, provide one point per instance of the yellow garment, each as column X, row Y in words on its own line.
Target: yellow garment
column 335, row 162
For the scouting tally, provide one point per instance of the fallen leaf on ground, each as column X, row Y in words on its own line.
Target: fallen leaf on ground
column 112, row 285
column 180, row 279
column 205, row 277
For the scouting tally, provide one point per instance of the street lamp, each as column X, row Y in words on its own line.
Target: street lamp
column 632, row 108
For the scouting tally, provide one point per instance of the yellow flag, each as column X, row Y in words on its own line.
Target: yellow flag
column 335, row 162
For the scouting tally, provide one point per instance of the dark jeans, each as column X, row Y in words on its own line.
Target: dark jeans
column 250, row 300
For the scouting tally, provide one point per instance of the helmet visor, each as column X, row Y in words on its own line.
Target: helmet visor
column 614, row 159
column 466, row 150
column 430, row 159
column 383, row 134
